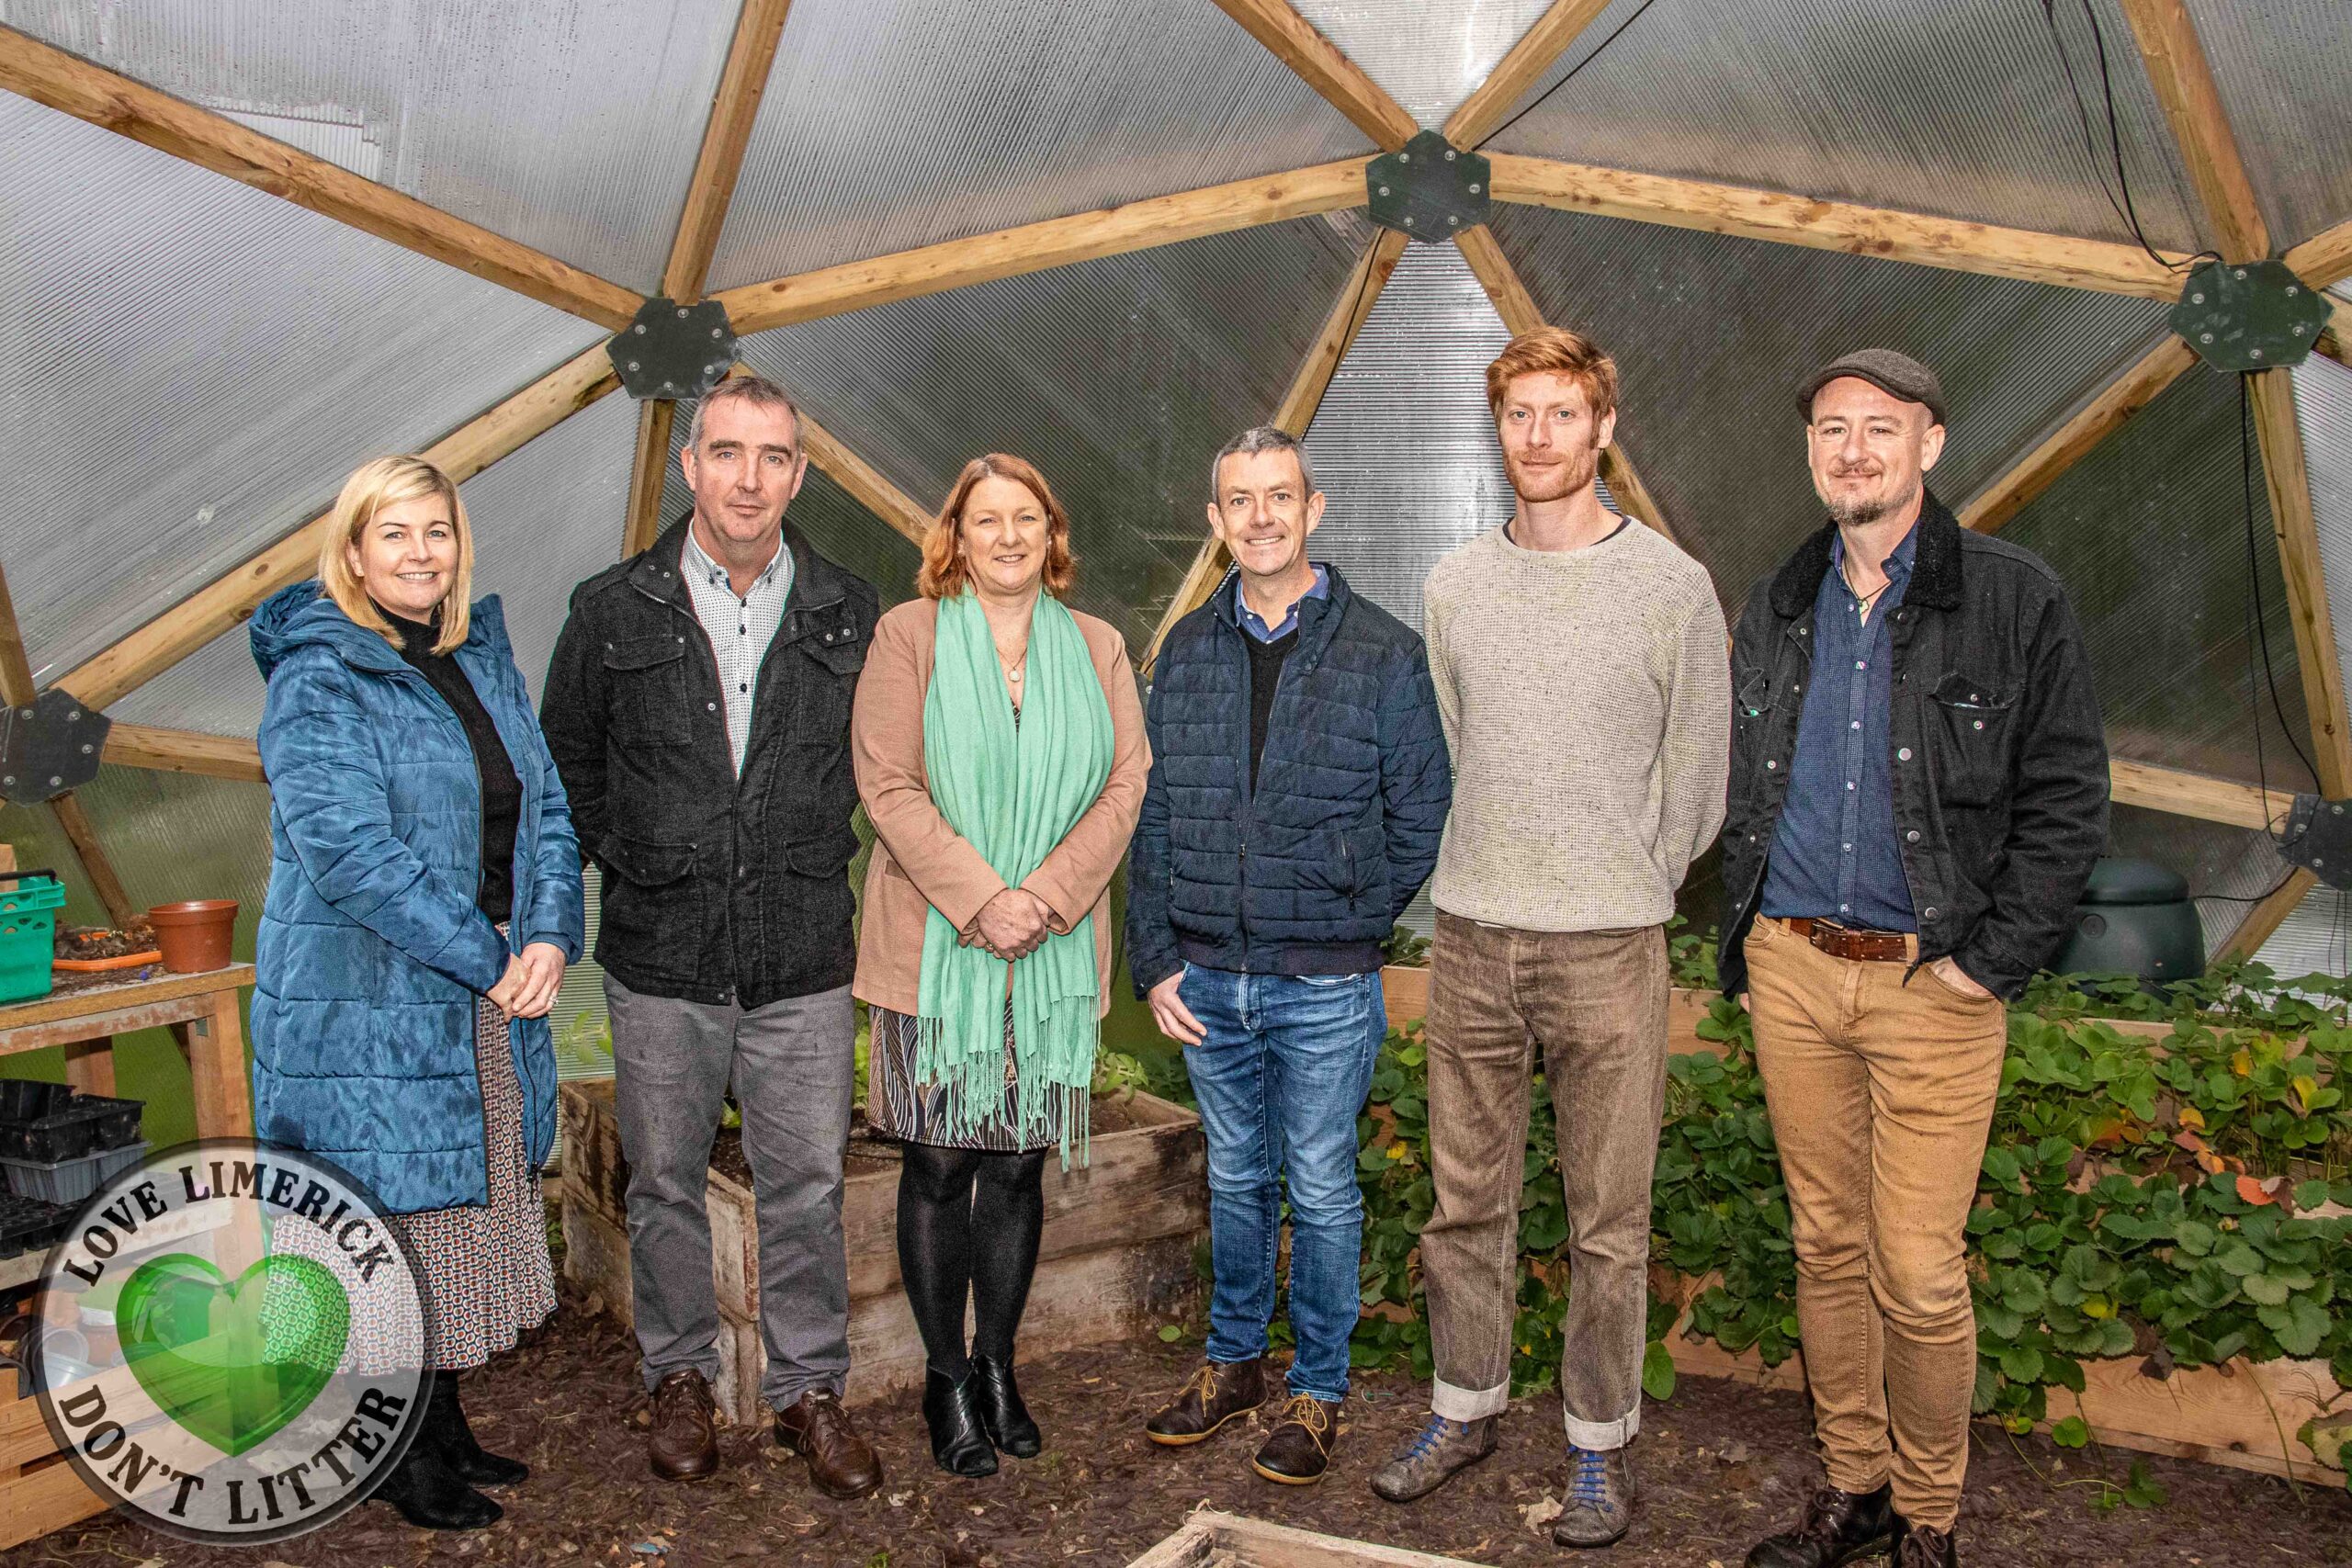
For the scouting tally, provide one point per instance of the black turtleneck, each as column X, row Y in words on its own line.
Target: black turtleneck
column 501, row 792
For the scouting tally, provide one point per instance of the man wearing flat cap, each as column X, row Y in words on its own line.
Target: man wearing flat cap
column 1918, row 791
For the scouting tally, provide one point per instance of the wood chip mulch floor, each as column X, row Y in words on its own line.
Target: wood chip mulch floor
column 1720, row 1465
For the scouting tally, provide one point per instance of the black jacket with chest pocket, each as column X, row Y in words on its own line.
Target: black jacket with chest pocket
column 1997, row 753
column 716, row 888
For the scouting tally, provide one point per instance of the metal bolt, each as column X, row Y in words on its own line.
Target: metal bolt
column 639, row 329
column 1383, row 190
column 713, row 370
column 2241, row 272
column 2204, row 337
column 2197, row 298
column 74, row 716
column 1403, row 157
column 86, row 748
column 1449, row 154
column 669, row 386
column 1474, row 187
column 2253, row 353
column 1408, row 222
column 54, row 781
column 682, row 310
column 632, row 363
column 2292, row 290
column 7, row 779
column 1452, row 222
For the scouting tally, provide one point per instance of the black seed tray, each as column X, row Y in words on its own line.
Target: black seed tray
column 89, row 1125
column 114, row 1122
column 29, row 1225
column 24, row 1099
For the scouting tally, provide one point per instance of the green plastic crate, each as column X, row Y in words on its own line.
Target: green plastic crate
column 27, row 932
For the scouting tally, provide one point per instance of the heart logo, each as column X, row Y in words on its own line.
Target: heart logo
column 232, row 1361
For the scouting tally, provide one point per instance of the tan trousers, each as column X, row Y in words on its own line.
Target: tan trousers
column 1880, row 1095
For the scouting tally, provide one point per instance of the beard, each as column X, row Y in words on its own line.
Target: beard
column 1574, row 473
column 1859, row 511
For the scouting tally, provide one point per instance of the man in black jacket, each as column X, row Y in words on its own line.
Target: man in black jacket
column 698, row 710
column 1918, row 792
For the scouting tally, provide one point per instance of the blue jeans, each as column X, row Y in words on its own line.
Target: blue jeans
column 1282, row 1075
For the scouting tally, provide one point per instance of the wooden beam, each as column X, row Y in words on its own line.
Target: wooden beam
column 1536, row 52
column 865, row 483
column 2266, row 918
column 95, row 863
column 227, row 600
column 1294, row 413
column 116, row 103
column 2325, row 259
column 2209, row 799
column 1834, row 225
column 648, row 472
column 2009, row 493
column 1319, row 62
column 1034, row 247
column 2184, row 85
column 2330, row 346
column 183, row 752
column 733, row 109
column 2288, row 478
column 1518, row 309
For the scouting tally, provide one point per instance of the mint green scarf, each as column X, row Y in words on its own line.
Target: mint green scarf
column 1011, row 792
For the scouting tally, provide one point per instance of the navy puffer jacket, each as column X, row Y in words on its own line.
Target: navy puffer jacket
column 1308, row 876
column 371, row 953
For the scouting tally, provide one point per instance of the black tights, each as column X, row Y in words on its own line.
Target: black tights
column 969, row 1221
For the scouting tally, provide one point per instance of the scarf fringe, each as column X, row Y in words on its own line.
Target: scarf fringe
column 974, row 1090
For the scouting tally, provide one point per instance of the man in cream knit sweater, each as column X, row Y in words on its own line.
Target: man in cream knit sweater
column 1581, row 674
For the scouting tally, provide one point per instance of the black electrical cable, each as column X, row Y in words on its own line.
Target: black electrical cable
column 2127, row 209
column 1563, row 81
column 2254, row 581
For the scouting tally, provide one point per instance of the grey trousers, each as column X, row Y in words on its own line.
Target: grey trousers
column 791, row 1063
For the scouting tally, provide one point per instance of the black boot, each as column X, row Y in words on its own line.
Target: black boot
column 1838, row 1528
column 1002, row 1415
column 957, row 1440
column 445, row 1427
column 430, row 1495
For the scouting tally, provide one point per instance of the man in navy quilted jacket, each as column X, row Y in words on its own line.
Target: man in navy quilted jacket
column 1299, row 786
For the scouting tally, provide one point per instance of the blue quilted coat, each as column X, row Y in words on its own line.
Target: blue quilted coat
column 371, row 953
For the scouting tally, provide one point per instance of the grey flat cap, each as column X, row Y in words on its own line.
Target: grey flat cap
column 1898, row 375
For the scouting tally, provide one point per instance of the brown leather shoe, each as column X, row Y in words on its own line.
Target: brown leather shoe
column 1217, row 1393
column 684, row 1445
column 816, row 1427
column 1298, row 1451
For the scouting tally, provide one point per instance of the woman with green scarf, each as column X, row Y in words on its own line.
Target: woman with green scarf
column 1000, row 750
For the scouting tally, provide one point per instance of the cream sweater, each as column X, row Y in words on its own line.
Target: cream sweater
column 1587, row 698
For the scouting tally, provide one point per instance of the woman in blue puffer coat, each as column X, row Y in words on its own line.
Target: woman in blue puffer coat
column 423, row 899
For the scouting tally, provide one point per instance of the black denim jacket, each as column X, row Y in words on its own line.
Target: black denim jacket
column 716, row 888
column 1997, row 752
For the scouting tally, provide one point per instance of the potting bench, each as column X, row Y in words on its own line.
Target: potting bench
column 86, row 1012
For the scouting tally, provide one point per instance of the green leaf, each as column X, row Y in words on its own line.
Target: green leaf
column 2143, row 1491
column 2074, row 1432
column 2267, row 1290
column 2196, row 1237
column 2236, row 1257
column 1657, row 1371
column 2022, row 1363
column 2308, row 1194
column 1171, row 1333
column 2022, row 1291
column 2300, row 1325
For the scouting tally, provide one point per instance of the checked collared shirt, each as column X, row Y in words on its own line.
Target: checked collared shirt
column 739, row 629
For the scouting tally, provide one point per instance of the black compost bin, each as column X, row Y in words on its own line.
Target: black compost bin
column 2135, row 917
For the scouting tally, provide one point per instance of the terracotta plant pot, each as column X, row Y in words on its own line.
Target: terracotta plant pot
column 193, row 936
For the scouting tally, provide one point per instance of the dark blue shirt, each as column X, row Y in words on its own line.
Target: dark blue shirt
column 1320, row 589
column 1835, row 855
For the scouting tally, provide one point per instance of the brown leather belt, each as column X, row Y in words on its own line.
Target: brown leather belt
column 1845, row 941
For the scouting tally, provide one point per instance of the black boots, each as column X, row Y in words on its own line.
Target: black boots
column 1002, row 1415
column 1838, row 1528
column 952, row 1411
column 432, row 1485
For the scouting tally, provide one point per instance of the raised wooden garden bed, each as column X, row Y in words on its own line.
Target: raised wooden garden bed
column 1226, row 1540
column 1115, row 1257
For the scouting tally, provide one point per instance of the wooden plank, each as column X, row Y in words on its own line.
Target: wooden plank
column 227, row 600
column 1405, row 993
column 2200, row 795
column 1517, row 307
column 648, row 472
column 122, row 1020
column 183, row 752
column 98, row 1004
column 2184, row 85
column 2325, row 259
column 1538, row 49
column 1319, row 62
column 2288, row 476
column 1294, row 413
column 142, row 113
column 1254, row 1543
column 1834, row 225
column 2331, row 347
column 1034, row 247
column 2263, row 918
column 726, row 134
column 220, row 1085
column 40, row 1501
column 84, row 835
column 1991, row 507
column 865, row 483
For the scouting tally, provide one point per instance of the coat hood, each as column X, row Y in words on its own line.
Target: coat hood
column 302, row 616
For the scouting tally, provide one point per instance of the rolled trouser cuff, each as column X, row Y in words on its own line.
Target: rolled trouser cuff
column 1603, row 1436
column 1467, row 1404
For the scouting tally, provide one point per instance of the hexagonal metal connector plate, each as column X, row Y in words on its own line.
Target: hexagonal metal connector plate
column 672, row 350
column 1429, row 189
column 49, row 746
column 2249, row 315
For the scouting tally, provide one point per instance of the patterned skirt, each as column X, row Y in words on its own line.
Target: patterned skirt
column 901, row 1106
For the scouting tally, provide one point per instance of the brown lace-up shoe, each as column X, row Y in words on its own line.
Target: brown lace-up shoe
column 1298, row 1451
column 1214, row 1395
column 684, row 1444
column 814, row 1427
column 1917, row 1546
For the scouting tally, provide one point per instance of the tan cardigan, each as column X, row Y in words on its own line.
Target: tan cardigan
column 920, row 863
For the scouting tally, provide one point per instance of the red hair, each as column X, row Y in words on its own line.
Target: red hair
column 1561, row 353
column 945, row 573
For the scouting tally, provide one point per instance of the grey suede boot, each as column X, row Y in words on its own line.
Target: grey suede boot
column 1433, row 1458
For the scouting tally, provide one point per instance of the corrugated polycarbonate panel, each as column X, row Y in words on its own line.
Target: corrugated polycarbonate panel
column 2324, row 403
column 2316, row 939
column 1712, row 335
column 2228, row 869
column 1428, row 58
column 1117, row 378
column 192, row 367
column 2148, row 530
column 572, row 127
column 1404, row 446
column 890, row 124
column 1959, row 109
column 217, row 690
column 2280, row 66
column 170, row 836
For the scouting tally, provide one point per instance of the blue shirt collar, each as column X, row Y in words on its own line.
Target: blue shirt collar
column 1897, row 566
column 1320, row 589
